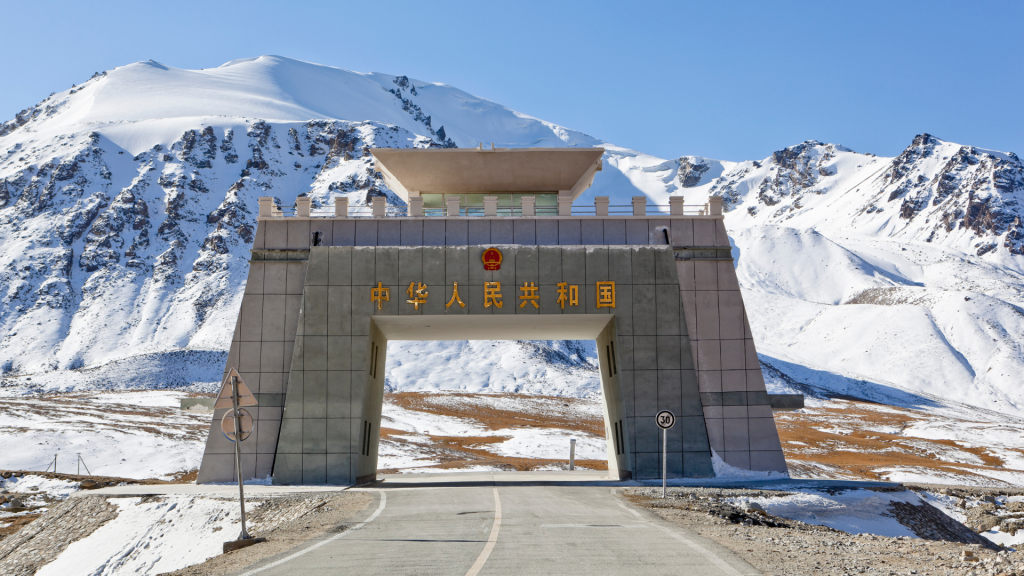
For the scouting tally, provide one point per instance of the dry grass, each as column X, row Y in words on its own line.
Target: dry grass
column 544, row 411
column 454, row 452
column 856, row 439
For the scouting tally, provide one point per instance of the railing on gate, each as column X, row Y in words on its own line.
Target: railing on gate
column 598, row 210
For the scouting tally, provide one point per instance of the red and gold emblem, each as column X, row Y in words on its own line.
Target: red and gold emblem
column 492, row 259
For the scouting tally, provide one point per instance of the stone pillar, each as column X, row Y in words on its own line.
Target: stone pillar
column 302, row 206
column 416, row 206
column 266, row 204
column 737, row 413
column 639, row 205
column 564, row 203
column 675, row 204
column 601, row 205
column 715, row 206
column 529, row 205
column 341, row 207
column 452, row 203
column 379, row 206
column 490, row 205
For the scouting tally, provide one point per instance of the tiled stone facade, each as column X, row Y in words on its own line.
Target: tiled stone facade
column 677, row 338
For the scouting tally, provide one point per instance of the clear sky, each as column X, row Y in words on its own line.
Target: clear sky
column 726, row 80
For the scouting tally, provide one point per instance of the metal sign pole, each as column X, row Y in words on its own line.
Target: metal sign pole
column 238, row 453
column 664, row 460
column 665, row 420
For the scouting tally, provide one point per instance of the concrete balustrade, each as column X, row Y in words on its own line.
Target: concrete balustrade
column 602, row 208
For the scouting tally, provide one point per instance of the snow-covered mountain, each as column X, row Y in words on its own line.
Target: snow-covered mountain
column 127, row 205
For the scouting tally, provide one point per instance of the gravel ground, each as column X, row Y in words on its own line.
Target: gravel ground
column 779, row 546
column 286, row 522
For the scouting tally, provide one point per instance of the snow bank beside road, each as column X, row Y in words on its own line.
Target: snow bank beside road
column 852, row 511
column 151, row 537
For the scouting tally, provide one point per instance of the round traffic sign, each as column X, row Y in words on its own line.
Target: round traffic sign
column 665, row 419
column 227, row 424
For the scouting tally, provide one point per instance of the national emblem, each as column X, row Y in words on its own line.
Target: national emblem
column 492, row 259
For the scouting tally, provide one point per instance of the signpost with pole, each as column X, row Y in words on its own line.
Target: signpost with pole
column 665, row 421
column 237, row 426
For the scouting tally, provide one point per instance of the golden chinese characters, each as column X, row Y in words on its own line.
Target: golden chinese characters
column 492, row 294
column 380, row 294
column 568, row 293
column 606, row 294
column 417, row 294
column 529, row 294
column 455, row 296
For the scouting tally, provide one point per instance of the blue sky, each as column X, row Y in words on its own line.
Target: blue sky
column 727, row 80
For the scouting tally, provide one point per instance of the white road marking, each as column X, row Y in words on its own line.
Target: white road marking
column 722, row 564
column 492, row 539
column 594, row 526
column 383, row 502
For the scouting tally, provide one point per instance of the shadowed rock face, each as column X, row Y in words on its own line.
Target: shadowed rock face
column 929, row 523
column 973, row 190
column 691, row 170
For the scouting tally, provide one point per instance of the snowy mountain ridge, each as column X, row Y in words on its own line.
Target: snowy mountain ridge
column 127, row 205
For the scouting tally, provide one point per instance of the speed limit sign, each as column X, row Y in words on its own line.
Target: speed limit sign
column 666, row 419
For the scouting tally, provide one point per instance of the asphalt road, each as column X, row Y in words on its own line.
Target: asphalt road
column 506, row 530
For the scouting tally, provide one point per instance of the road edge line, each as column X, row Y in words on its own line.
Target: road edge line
column 721, row 564
column 380, row 508
column 492, row 539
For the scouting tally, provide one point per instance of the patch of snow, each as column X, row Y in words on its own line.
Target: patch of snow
column 852, row 511
column 1004, row 538
column 725, row 472
column 152, row 537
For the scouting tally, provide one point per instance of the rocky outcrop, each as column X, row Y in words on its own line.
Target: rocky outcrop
column 691, row 170
column 929, row 523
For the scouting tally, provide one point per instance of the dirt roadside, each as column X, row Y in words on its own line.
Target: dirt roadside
column 779, row 546
column 288, row 522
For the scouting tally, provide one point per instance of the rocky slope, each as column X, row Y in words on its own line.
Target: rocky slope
column 127, row 204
